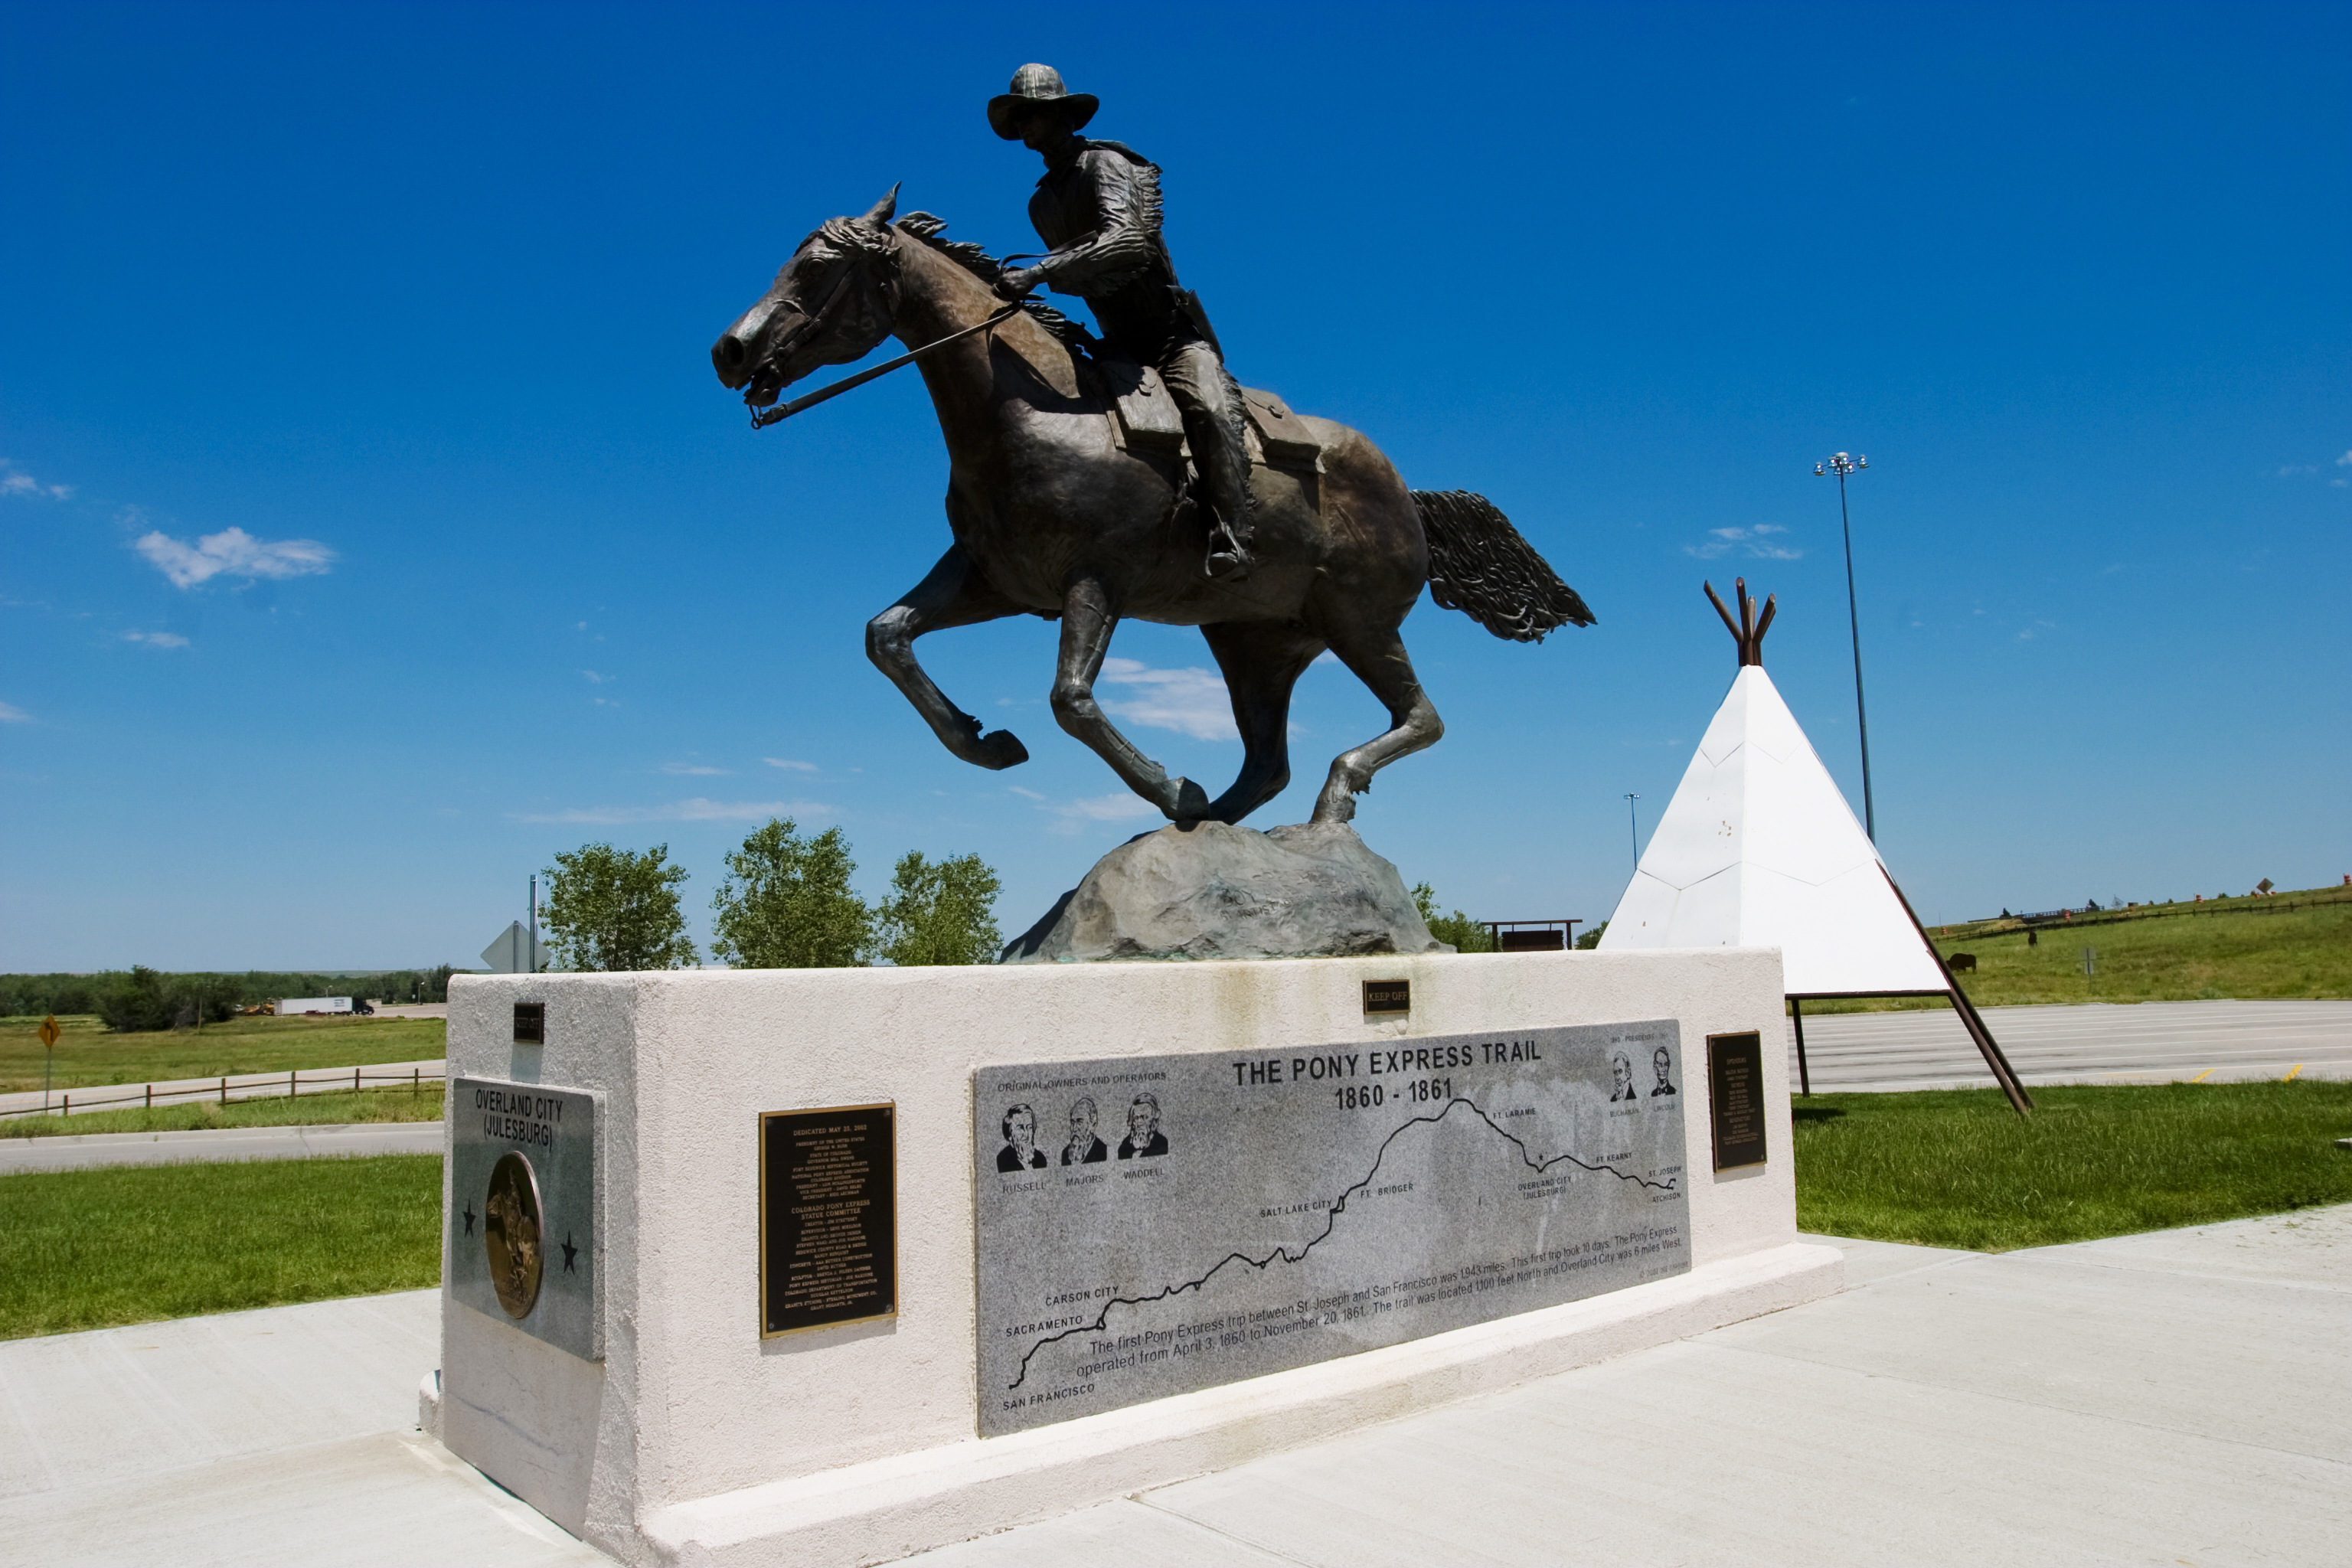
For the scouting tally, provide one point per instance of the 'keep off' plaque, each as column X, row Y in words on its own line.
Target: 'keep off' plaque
column 828, row 1217
column 522, row 1198
column 1149, row 1226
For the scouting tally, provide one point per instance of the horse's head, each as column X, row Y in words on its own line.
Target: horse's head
column 828, row 306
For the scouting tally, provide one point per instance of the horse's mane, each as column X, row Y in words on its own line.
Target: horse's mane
column 933, row 231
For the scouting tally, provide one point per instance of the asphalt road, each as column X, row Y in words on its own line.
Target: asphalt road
column 2145, row 1042
column 92, row 1150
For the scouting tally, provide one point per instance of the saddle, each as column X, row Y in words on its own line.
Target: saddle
column 1144, row 417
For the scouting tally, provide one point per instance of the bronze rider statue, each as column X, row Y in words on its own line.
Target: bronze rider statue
column 1098, row 207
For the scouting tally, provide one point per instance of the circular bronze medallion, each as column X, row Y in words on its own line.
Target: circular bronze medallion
column 510, row 1230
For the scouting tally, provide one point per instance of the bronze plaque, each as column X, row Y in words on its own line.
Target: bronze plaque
column 1388, row 995
column 828, row 1217
column 510, row 1233
column 1534, row 941
column 1735, row 1080
column 530, row 1024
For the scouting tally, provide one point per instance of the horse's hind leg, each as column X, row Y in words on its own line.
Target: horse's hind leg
column 953, row 594
column 1262, row 661
column 1087, row 620
column 1380, row 661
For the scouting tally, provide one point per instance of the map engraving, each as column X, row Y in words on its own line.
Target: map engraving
column 1149, row 1226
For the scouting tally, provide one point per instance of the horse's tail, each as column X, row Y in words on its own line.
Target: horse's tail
column 1479, row 566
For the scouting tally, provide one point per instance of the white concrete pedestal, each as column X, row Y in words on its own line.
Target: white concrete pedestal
column 695, row 1441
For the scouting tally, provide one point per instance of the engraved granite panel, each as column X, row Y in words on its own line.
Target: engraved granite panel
column 1150, row 1225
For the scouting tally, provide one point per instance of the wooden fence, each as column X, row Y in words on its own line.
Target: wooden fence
column 250, row 1086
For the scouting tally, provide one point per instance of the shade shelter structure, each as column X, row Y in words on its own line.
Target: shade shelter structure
column 1758, row 848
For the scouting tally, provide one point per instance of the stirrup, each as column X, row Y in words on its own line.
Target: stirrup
column 1228, row 559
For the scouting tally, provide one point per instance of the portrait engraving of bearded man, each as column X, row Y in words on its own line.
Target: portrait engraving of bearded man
column 1084, row 1147
column 1019, row 1151
column 1144, row 1139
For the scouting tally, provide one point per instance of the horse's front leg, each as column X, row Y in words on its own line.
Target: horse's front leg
column 1088, row 617
column 953, row 594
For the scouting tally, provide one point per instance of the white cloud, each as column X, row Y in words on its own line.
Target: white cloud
column 695, row 769
column 1722, row 541
column 12, row 714
column 156, row 640
column 2345, row 462
column 1025, row 794
column 789, row 765
column 233, row 552
column 1190, row 701
column 15, row 481
column 595, row 679
column 1122, row 806
column 695, row 810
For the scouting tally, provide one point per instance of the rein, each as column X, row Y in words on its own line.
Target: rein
column 760, row 420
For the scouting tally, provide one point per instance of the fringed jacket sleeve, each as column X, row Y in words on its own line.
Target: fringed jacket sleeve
column 1127, row 195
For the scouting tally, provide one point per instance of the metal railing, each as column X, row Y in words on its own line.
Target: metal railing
column 249, row 1086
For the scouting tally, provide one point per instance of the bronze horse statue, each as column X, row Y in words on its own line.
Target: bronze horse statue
column 1054, row 516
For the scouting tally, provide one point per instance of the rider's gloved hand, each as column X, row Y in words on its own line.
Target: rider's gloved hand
column 1018, row 281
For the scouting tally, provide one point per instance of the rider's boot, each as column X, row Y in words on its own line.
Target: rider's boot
column 1211, row 403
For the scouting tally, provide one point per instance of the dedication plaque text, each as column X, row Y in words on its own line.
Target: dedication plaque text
column 522, row 1201
column 1735, row 1083
column 1149, row 1226
column 828, row 1217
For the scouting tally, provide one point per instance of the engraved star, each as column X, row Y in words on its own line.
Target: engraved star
column 469, row 1219
column 570, row 1252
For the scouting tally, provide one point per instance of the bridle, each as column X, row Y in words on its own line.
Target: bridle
column 836, row 280
column 810, row 321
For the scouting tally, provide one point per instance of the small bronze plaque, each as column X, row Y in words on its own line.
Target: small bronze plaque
column 1388, row 995
column 828, row 1217
column 531, row 1023
column 1735, row 1081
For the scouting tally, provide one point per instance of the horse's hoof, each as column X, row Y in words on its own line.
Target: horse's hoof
column 1001, row 749
column 1191, row 802
column 1335, row 804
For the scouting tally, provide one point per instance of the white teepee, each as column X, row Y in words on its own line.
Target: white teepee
column 1758, row 848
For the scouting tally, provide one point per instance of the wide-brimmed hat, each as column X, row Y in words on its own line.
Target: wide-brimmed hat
column 1033, row 85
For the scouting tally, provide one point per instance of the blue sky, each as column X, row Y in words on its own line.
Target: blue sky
column 373, row 527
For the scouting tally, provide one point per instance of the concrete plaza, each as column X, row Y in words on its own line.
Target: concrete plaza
column 2171, row 1397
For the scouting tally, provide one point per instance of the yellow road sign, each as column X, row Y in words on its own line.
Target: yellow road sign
column 48, row 1031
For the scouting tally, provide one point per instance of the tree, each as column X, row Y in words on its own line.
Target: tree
column 942, row 911
column 148, row 999
column 787, row 904
column 610, row 908
column 1466, row 934
column 1591, row 939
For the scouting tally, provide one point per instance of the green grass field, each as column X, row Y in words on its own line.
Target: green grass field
column 87, row 1055
column 85, row 1250
column 418, row 1104
column 1959, row 1169
column 2245, row 948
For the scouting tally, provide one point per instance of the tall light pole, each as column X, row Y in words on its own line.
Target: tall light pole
column 1841, row 464
column 1634, row 830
